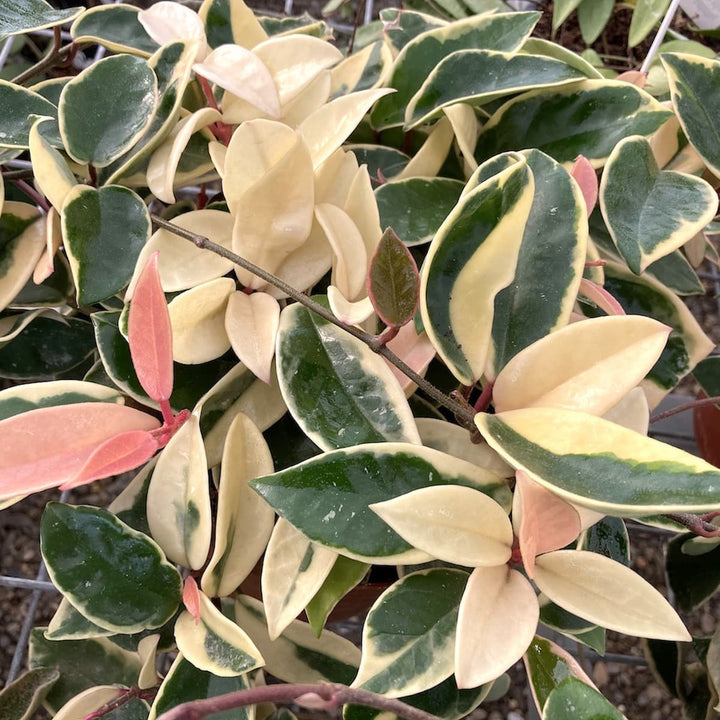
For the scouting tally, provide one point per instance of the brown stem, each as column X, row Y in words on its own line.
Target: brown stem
column 385, row 336
column 18, row 175
column 695, row 524
column 53, row 56
column 120, row 700
column 682, row 408
column 325, row 696
column 31, row 192
column 461, row 412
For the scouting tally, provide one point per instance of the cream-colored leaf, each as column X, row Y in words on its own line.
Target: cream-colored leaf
column 293, row 571
column 164, row 161
column 167, row 21
column 542, row 521
column 695, row 249
column 244, row 519
column 45, row 266
column 178, row 500
column 430, row 157
column 334, row 178
column 586, row 366
column 455, row 440
column 497, row 621
column 329, row 126
column 350, row 257
column 631, row 411
column 214, row 643
column 246, row 29
column 607, row 593
column 452, row 523
column 305, row 103
column 182, row 264
column 664, row 141
column 361, row 207
column 352, row 313
column 415, row 351
column 466, row 128
column 251, row 323
column 52, row 175
column 242, row 73
column 147, row 650
column 218, row 155
column 88, row 702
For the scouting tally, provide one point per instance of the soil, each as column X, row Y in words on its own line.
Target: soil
column 631, row 688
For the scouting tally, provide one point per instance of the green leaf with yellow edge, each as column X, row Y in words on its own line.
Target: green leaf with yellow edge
column 115, row 27
column 646, row 15
column 103, row 231
column 22, row 241
column 550, row 264
column 244, row 520
column 339, row 391
column 20, row 699
column 327, row 497
column 95, row 698
column 214, row 643
column 503, row 32
column 362, row 70
column 179, row 500
column 632, row 190
column 597, row 464
column 184, row 683
column 546, row 48
column 117, row 577
column 401, row 26
column 293, row 570
column 588, row 118
column 587, row 366
column 19, row 18
column 343, row 577
column 472, row 257
column 409, row 633
column 478, row 77
column 298, row 655
column 70, row 624
column 624, row 602
column 694, row 83
column 379, row 159
column 575, row 700
column 230, row 22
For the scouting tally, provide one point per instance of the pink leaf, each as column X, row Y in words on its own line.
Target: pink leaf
column 634, row 77
column 48, row 447
column 542, row 521
column 415, row 350
column 191, row 598
column 601, row 297
column 150, row 334
column 584, row 175
column 119, row 454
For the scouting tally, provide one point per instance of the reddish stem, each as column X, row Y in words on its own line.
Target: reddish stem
column 687, row 406
column 386, row 336
column 483, row 401
column 596, row 263
column 124, row 697
column 167, row 413
column 695, row 524
column 32, row 193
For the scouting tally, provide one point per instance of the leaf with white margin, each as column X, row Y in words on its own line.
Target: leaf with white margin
column 623, row 601
column 231, row 21
column 147, row 650
column 69, row 624
column 430, row 157
column 166, row 22
column 178, row 498
column 352, row 313
column 574, row 699
column 327, row 497
column 542, row 521
column 197, row 317
column 589, row 365
column 452, row 523
column 298, row 656
column 455, row 440
column 115, row 27
column 651, row 212
column 409, row 634
column 293, row 571
column 242, row 73
column 600, row 465
column 88, row 701
column 183, row 265
column 244, row 520
column 328, row 127
column 163, row 165
column 336, row 388
column 24, row 17
column 472, row 257
column 350, row 259
column 416, row 351
column 251, row 324
column 214, row 643
column 52, row 173
column 364, row 69
column 497, row 619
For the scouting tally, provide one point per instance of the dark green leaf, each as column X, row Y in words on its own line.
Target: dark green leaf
column 383, row 162
column 401, row 26
column 574, row 700
column 608, row 537
column 692, row 578
column 114, row 26
column 546, row 669
column 18, row 105
column 21, row 17
column 663, row 657
column 20, row 699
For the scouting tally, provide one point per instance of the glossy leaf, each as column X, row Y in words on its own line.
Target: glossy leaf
column 66, row 436
column 587, row 366
column 22, row 697
column 608, row 537
column 409, row 633
column 588, row 119
column 624, row 602
column 338, row 390
column 472, row 257
column 21, row 18
column 452, row 523
column 117, row 577
column 496, row 598
column 327, row 497
column 575, row 700
column 214, row 643
column 165, row 22
column 298, row 656
column 178, row 498
column 20, row 105
column 70, row 624
column 600, row 465
column 244, row 521
column 103, row 232
column 116, row 27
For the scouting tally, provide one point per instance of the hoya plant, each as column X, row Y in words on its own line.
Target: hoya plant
column 398, row 315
